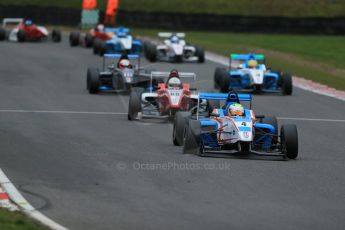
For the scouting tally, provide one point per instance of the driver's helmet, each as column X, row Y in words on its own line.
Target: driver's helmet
column 124, row 63
column 236, row 109
column 252, row 64
column 28, row 22
column 99, row 27
column 174, row 39
column 174, row 83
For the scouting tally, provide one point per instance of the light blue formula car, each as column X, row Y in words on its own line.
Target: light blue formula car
column 122, row 42
column 248, row 72
column 222, row 133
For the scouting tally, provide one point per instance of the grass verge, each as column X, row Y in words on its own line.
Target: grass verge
column 318, row 58
column 17, row 221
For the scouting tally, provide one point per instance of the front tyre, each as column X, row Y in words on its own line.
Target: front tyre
column 92, row 81
column 289, row 140
column 88, row 40
column 180, row 123
column 134, row 106
column 56, row 35
column 74, row 39
column 192, row 140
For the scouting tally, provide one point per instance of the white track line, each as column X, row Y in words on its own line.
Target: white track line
column 121, row 113
column 59, row 112
column 23, row 204
column 309, row 119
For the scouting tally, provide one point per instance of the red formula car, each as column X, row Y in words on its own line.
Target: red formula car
column 164, row 99
column 93, row 38
column 26, row 30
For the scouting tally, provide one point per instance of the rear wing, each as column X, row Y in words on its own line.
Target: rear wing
column 169, row 34
column 116, row 30
column 118, row 56
column 224, row 96
column 228, row 97
column 246, row 57
column 16, row 21
column 167, row 74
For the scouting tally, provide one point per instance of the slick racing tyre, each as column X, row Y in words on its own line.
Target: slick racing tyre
column 286, row 84
column 200, row 53
column 151, row 52
column 274, row 122
column 88, row 40
column 96, row 45
column 102, row 48
column 289, row 140
column 56, row 35
column 217, row 76
column 2, row 34
column 74, row 39
column 192, row 139
column 21, row 35
column 180, row 123
column 134, row 106
column 222, row 76
column 92, row 81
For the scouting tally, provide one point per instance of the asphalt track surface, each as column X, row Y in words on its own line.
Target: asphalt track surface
column 82, row 169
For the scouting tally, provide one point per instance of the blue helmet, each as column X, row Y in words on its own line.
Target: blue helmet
column 28, row 22
column 174, row 39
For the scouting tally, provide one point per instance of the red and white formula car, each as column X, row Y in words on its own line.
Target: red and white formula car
column 26, row 30
column 93, row 38
column 163, row 99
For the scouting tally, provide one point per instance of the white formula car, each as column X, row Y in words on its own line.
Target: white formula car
column 174, row 48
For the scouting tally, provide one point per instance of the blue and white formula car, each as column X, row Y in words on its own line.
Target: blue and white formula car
column 232, row 130
column 121, row 42
column 248, row 72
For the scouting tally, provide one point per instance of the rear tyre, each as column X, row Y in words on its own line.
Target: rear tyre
column 200, row 53
column 192, row 140
column 96, row 45
column 88, row 40
column 92, row 81
column 21, row 36
column 180, row 123
column 289, row 140
column 102, row 48
column 134, row 106
column 56, row 35
column 74, row 39
column 151, row 52
column 286, row 84
column 2, row 34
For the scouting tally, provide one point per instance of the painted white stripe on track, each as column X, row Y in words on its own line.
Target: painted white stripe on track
column 309, row 119
column 122, row 113
column 24, row 205
column 59, row 112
